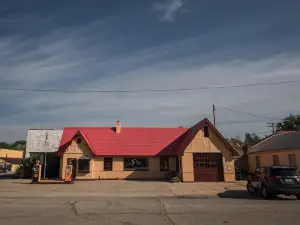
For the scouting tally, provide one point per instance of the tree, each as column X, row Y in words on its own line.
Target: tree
column 251, row 139
column 4, row 145
column 236, row 142
column 292, row 122
column 25, row 171
column 19, row 145
column 29, row 162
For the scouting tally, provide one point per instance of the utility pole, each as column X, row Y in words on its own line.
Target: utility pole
column 272, row 125
column 46, row 149
column 214, row 114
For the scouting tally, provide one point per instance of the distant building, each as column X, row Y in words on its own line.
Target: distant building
column 281, row 148
column 11, row 158
column 45, row 143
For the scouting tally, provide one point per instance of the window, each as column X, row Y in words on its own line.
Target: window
column 84, row 164
column 257, row 161
column 284, row 172
column 78, row 140
column 108, row 164
column 164, row 163
column 206, row 132
column 275, row 160
column 140, row 164
column 292, row 160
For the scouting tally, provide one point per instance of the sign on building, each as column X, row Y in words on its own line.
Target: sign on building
column 43, row 141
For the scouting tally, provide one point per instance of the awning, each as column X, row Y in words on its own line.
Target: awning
column 85, row 157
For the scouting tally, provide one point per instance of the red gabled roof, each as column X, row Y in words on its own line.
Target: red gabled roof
column 136, row 141
column 131, row 141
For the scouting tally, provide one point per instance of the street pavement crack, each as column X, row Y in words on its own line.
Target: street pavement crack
column 170, row 189
column 163, row 212
column 73, row 207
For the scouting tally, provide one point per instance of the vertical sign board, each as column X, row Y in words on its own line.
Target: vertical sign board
column 69, row 170
column 42, row 141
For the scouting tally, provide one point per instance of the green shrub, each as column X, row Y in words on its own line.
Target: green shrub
column 175, row 179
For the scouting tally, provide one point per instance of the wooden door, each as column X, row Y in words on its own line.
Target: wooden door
column 208, row 167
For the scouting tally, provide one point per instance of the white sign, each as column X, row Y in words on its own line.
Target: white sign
column 228, row 168
column 43, row 141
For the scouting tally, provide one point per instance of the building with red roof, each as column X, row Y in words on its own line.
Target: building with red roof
column 199, row 153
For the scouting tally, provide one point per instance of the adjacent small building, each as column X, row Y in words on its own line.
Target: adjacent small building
column 199, row 153
column 281, row 148
column 11, row 159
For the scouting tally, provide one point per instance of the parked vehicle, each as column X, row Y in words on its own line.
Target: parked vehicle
column 274, row 180
column 3, row 168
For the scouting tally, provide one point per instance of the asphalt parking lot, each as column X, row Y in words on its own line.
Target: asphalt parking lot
column 113, row 188
column 139, row 203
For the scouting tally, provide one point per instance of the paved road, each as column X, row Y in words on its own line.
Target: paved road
column 147, row 211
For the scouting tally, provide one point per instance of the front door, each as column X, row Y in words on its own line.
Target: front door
column 208, row 167
column 73, row 162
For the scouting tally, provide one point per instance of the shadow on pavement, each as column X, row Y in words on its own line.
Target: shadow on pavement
column 241, row 194
column 192, row 197
column 146, row 181
column 20, row 182
column 6, row 176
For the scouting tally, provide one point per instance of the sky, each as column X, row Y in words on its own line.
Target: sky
column 137, row 45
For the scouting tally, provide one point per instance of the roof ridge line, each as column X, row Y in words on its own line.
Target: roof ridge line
column 127, row 127
column 263, row 140
column 278, row 133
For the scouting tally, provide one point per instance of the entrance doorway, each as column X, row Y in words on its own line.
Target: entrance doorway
column 52, row 165
column 73, row 162
column 208, row 167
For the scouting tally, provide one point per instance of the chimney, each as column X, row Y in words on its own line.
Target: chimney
column 118, row 127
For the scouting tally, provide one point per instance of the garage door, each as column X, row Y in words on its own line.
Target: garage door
column 208, row 167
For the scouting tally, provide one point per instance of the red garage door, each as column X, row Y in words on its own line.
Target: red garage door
column 208, row 167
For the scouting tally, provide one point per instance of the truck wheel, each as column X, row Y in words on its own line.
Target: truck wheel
column 298, row 196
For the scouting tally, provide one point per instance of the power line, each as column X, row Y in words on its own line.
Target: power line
column 230, row 122
column 249, row 114
column 264, row 132
column 268, row 132
column 148, row 90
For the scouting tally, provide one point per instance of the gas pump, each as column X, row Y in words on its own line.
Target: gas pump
column 36, row 172
column 69, row 171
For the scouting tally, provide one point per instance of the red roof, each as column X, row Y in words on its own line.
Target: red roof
column 134, row 141
column 131, row 141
